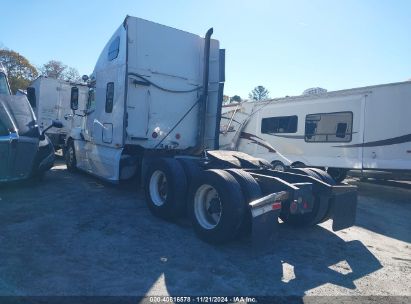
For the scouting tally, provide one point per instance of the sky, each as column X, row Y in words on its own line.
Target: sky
column 286, row 46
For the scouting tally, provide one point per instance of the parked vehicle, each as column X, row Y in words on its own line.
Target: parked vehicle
column 363, row 128
column 24, row 151
column 50, row 99
column 154, row 111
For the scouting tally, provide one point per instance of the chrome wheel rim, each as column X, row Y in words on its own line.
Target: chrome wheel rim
column 158, row 188
column 207, row 206
column 70, row 156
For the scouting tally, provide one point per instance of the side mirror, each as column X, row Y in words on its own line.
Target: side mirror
column 54, row 124
column 74, row 98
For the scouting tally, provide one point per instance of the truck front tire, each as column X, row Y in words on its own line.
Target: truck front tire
column 70, row 156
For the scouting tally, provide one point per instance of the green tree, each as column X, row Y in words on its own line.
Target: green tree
column 226, row 99
column 19, row 70
column 71, row 74
column 235, row 98
column 259, row 93
column 53, row 69
column 58, row 70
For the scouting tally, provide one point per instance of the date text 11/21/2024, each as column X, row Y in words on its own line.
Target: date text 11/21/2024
column 202, row 299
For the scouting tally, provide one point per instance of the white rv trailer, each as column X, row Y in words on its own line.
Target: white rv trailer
column 363, row 128
column 50, row 99
column 154, row 111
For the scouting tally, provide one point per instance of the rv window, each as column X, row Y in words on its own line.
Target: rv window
column 283, row 124
column 114, row 48
column 329, row 127
column 31, row 96
column 341, row 129
column 109, row 97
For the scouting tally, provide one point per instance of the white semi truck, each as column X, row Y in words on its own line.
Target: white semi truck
column 154, row 111
column 51, row 99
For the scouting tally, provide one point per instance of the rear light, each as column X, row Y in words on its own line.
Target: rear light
column 154, row 135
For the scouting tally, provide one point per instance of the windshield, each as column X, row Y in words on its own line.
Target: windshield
column 4, row 88
column 20, row 112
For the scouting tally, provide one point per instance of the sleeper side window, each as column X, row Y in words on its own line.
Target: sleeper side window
column 109, row 97
column 281, row 124
column 114, row 49
column 329, row 127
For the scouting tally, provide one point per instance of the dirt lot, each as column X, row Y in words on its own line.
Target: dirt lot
column 75, row 235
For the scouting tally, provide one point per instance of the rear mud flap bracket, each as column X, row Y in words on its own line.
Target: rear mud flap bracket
column 265, row 212
column 344, row 209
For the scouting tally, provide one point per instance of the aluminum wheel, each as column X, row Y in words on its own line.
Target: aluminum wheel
column 158, row 188
column 70, row 155
column 207, row 206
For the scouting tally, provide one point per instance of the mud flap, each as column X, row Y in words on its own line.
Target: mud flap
column 344, row 207
column 265, row 212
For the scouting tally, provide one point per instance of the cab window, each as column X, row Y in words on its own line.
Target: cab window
column 4, row 88
column 114, row 49
column 91, row 101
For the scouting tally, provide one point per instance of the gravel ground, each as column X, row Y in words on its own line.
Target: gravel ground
column 75, row 235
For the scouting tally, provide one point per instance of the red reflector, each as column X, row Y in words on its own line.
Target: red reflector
column 276, row 206
column 305, row 205
column 178, row 136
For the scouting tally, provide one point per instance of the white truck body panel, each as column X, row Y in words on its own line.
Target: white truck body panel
column 379, row 136
column 141, row 114
column 53, row 103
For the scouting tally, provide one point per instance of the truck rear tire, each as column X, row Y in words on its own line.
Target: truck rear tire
column 70, row 156
column 166, row 188
column 278, row 165
column 298, row 164
column 251, row 191
column 325, row 177
column 216, row 206
column 338, row 174
column 320, row 208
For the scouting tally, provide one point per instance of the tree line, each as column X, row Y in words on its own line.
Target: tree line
column 259, row 93
column 21, row 72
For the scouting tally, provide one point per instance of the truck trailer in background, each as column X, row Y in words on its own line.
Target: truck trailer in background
column 51, row 98
column 366, row 129
column 154, row 112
